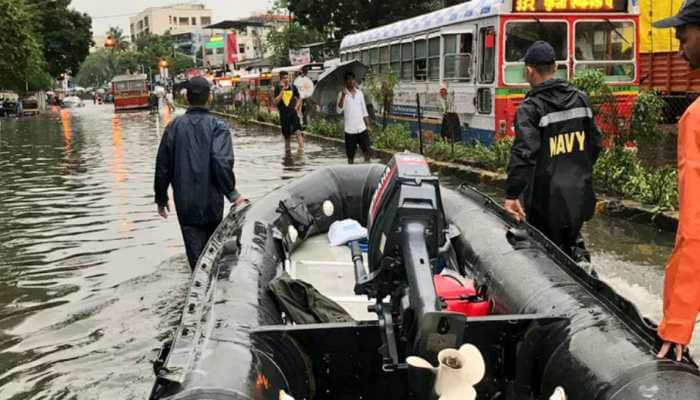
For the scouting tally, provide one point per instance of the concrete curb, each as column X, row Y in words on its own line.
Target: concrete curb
column 609, row 206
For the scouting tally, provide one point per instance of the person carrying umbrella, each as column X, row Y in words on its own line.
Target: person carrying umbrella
column 351, row 102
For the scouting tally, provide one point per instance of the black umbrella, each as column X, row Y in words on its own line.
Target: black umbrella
column 332, row 81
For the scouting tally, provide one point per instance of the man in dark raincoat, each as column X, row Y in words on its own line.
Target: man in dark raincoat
column 196, row 157
column 556, row 145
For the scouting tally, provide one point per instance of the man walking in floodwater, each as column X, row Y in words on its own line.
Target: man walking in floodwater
column 556, row 145
column 288, row 102
column 351, row 102
column 196, row 157
column 682, row 281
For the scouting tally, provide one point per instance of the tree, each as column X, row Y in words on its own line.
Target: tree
column 21, row 61
column 154, row 48
column 65, row 35
column 339, row 18
column 102, row 65
column 117, row 34
column 294, row 34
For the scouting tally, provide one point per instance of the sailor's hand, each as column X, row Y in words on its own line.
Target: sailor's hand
column 666, row 347
column 515, row 210
column 240, row 200
column 163, row 211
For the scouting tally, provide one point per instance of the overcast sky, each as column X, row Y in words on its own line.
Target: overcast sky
column 106, row 13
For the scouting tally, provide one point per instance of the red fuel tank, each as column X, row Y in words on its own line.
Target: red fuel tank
column 460, row 296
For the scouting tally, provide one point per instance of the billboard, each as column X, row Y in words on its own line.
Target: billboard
column 300, row 56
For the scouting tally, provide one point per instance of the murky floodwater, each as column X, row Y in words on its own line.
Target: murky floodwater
column 91, row 279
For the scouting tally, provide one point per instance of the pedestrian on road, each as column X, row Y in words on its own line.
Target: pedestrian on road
column 306, row 87
column 682, row 282
column 153, row 102
column 196, row 157
column 169, row 101
column 556, row 145
column 351, row 102
column 288, row 102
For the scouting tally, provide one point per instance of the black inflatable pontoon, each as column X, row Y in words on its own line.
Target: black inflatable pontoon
column 552, row 325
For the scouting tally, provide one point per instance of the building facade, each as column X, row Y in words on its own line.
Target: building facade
column 176, row 19
column 251, row 37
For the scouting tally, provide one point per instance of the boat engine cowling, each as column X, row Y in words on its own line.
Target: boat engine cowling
column 406, row 225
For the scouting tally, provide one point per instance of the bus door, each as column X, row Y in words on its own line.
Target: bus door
column 483, row 124
column 458, row 71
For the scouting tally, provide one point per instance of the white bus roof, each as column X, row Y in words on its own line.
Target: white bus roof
column 447, row 16
column 463, row 12
column 135, row 77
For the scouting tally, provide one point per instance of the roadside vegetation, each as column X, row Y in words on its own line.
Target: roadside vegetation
column 619, row 171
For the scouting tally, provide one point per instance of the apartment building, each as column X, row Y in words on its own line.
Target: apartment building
column 176, row 19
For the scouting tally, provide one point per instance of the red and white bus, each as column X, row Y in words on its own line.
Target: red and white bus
column 130, row 92
column 476, row 49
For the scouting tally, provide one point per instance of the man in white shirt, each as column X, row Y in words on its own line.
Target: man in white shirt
column 351, row 102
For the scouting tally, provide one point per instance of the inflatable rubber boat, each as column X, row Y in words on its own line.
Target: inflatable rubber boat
column 450, row 299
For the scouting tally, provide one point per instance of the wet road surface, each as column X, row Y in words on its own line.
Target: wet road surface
column 91, row 279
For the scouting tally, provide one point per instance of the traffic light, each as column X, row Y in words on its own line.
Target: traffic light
column 109, row 42
column 163, row 63
column 61, row 77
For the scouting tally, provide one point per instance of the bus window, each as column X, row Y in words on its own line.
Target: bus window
column 356, row 55
column 395, row 59
column 343, row 57
column 407, row 61
column 384, row 60
column 374, row 59
column 458, row 56
column 434, row 59
column 521, row 34
column 487, row 44
column 365, row 57
column 606, row 46
column 420, row 72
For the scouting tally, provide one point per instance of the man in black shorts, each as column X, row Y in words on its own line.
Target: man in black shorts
column 288, row 102
column 351, row 102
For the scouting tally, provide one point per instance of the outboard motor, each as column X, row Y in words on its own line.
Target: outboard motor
column 407, row 229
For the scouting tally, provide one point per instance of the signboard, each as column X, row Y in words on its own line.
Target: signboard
column 300, row 56
column 215, row 42
column 569, row 6
column 231, row 48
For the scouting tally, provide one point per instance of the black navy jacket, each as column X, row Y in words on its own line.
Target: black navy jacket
column 556, row 145
column 196, row 157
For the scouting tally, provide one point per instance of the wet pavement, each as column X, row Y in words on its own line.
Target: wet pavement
column 91, row 279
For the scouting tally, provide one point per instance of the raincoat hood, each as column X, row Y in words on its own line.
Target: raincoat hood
column 561, row 95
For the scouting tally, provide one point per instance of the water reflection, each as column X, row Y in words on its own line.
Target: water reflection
column 91, row 278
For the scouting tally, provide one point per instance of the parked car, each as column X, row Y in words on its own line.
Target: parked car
column 73, row 102
column 30, row 106
column 8, row 104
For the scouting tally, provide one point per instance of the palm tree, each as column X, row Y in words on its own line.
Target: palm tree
column 117, row 35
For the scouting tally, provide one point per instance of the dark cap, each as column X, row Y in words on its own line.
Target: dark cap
column 689, row 14
column 198, row 86
column 540, row 53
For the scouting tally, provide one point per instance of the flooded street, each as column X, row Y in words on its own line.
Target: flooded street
column 91, row 279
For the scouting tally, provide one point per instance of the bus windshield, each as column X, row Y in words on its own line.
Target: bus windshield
column 606, row 46
column 521, row 34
